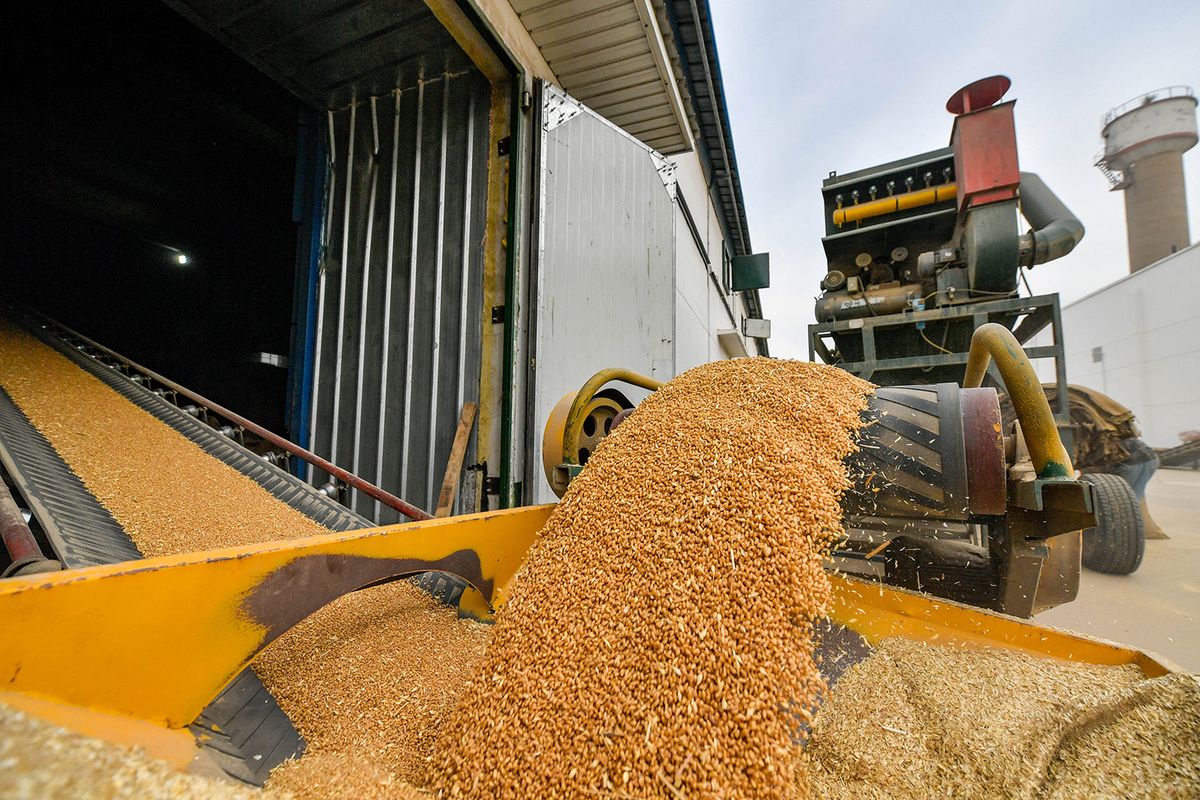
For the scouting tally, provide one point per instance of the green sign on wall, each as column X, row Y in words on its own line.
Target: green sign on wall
column 751, row 272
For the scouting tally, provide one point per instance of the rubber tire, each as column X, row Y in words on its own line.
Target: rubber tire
column 1116, row 545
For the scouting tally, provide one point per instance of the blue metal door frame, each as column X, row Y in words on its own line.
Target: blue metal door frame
column 308, row 209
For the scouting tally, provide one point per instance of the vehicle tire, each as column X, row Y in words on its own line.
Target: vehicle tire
column 1115, row 546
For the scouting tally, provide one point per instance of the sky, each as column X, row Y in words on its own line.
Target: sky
column 814, row 87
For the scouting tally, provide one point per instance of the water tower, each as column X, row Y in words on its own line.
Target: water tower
column 1144, row 143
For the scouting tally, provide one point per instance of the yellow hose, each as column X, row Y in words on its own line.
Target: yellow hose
column 993, row 341
column 576, row 415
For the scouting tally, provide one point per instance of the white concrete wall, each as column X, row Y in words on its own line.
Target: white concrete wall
column 1147, row 328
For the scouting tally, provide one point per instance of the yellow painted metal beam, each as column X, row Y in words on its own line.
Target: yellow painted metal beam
column 468, row 37
column 579, row 406
column 157, row 639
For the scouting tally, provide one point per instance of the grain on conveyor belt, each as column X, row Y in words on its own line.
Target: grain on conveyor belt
column 374, row 677
column 915, row 720
column 41, row 761
column 370, row 675
column 168, row 494
column 657, row 640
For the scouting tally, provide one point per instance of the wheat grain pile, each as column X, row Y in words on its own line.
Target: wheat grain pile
column 657, row 641
column 915, row 720
column 370, row 681
column 366, row 680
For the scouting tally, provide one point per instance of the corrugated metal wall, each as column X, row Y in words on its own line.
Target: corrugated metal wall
column 605, row 272
column 399, row 296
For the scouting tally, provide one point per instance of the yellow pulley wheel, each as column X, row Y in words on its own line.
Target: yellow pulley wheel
column 597, row 423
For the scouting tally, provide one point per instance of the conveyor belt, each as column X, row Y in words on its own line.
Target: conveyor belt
column 243, row 730
column 286, row 488
column 81, row 531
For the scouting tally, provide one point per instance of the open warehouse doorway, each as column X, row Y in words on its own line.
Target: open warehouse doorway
column 148, row 197
column 281, row 206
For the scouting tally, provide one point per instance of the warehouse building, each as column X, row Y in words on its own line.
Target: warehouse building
column 350, row 220
column 1138, row 340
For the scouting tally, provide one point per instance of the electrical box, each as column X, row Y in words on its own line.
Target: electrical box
column 757, row 328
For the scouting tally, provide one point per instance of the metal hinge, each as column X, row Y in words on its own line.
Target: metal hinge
column 498, row 315
column 503, row 146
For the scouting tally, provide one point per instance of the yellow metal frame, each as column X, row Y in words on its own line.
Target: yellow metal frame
column 157, row 639
column 554, row 439
column 583, row 399
column 877, row 612
column 996, row 342
column 132, row 652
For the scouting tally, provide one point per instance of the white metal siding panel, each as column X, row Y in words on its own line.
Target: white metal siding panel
column 577, row 66
column 606, row 263
column 592, row 36
column 695, row 286
column 563, row 18
column 1148, row 328
column 693, row 343
column 692, row 329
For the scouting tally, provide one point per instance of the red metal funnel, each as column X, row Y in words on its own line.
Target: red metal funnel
column 983, row 93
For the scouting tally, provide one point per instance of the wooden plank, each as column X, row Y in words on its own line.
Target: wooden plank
column 454, row 464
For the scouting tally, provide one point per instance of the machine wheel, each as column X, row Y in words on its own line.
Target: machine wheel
column 598, row 422
column 1116, row 544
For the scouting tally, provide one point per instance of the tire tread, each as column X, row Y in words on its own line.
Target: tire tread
column 1117, row 543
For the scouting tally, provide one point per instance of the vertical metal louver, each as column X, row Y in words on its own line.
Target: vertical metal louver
column 399, row 314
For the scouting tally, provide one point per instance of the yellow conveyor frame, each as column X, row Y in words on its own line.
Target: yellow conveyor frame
column 132, row 652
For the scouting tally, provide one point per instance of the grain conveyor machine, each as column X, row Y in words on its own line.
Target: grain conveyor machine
column 942, row 501
column 157, row 652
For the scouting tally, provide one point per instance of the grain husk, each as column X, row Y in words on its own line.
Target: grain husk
column 916, row 720
column 41, row 761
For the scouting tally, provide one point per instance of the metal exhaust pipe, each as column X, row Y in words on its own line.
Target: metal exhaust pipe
column 1056, row 230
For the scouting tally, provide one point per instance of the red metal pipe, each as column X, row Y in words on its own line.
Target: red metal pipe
column 371, row 490
column 23, row 550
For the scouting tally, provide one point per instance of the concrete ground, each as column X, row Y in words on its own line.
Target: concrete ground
column 1156, row 608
